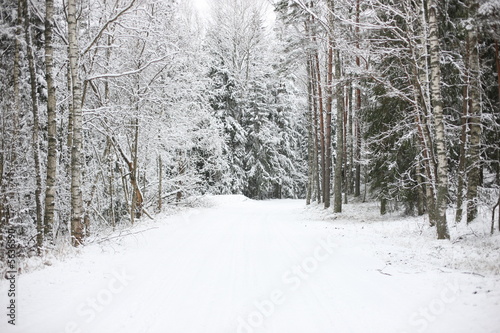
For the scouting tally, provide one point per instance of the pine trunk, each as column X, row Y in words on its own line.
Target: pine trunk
column 357, row 123
column 310, row 133
column 345, row 157
column 337, row 208
column 321, row 122
column 328, row 128
column 350, row 143
column 337, row 193
column 317, row 175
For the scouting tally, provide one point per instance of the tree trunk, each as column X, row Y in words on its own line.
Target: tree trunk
column 321, row 121
column 137, row 199
column 437, row 104
column 77, row 212
column 420, row 190
column 350, row 143
column 310, row 133
column 36, row 126
column 337, row 193
column 383, row 206
column 8, row 155
column 160, row 180
column 497, row 63
column 50, row 190
column 474, row 163
column 337, row 208
column 316, row 141
column 461, row 161
column 328, row 127
column 345, row 157
column 357, row 123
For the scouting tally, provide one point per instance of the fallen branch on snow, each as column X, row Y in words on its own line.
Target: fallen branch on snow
column 125, row 235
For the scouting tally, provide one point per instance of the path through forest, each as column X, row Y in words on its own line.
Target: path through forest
column 242, row 266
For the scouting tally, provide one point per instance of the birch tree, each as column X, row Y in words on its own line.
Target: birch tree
column 437, row 104
column 77, row 209
column 51, row 174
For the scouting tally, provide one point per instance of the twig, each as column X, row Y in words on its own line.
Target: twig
column 380, row 271
column 124, row 235
column 473, row 273
column 146, row 212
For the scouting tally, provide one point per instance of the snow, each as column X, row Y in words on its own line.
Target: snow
column 240, row 265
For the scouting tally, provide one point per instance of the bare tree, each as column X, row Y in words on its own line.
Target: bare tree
column 77, row 210
column 474, row 174
column 437, row 104
column 36, row 125
column 50, row 190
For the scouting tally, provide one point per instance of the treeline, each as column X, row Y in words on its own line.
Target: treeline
column 112, row 110
column 404, row 99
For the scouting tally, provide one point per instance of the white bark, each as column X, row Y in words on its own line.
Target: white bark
column 437, row 105
column 77, row 143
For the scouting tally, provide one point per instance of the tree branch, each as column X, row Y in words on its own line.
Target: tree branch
column 105, row 26
column 135, row 71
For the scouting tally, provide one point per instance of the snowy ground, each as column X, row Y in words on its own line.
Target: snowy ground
column 245, row 266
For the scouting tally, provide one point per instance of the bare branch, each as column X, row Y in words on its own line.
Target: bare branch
column 105, row 26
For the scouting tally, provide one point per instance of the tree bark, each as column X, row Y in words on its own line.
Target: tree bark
column 8, row 154
column 310, row 133
column 337, row 208
column 137, row 199
column 160, row 181
column 321, row 120
column 77, row 211
column 346, row 141
column 474, row 162
column 350, row 143
column 36, row 126
column 136, row 196
column 437, row 104
column 50, row 190
column 317, row 175
column 461, row 161
column 357, row 123
column 328, row 120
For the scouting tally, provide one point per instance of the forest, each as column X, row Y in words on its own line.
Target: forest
column 113, row 110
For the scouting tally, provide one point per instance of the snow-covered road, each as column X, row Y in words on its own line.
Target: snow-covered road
column 240, row 267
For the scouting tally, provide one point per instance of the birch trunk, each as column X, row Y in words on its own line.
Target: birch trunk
column 437, row 104
column 50, row 190
column 77, row 212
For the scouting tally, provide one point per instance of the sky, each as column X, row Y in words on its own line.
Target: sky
column 203, row 7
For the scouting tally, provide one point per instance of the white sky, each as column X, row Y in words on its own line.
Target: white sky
column 203, row 7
